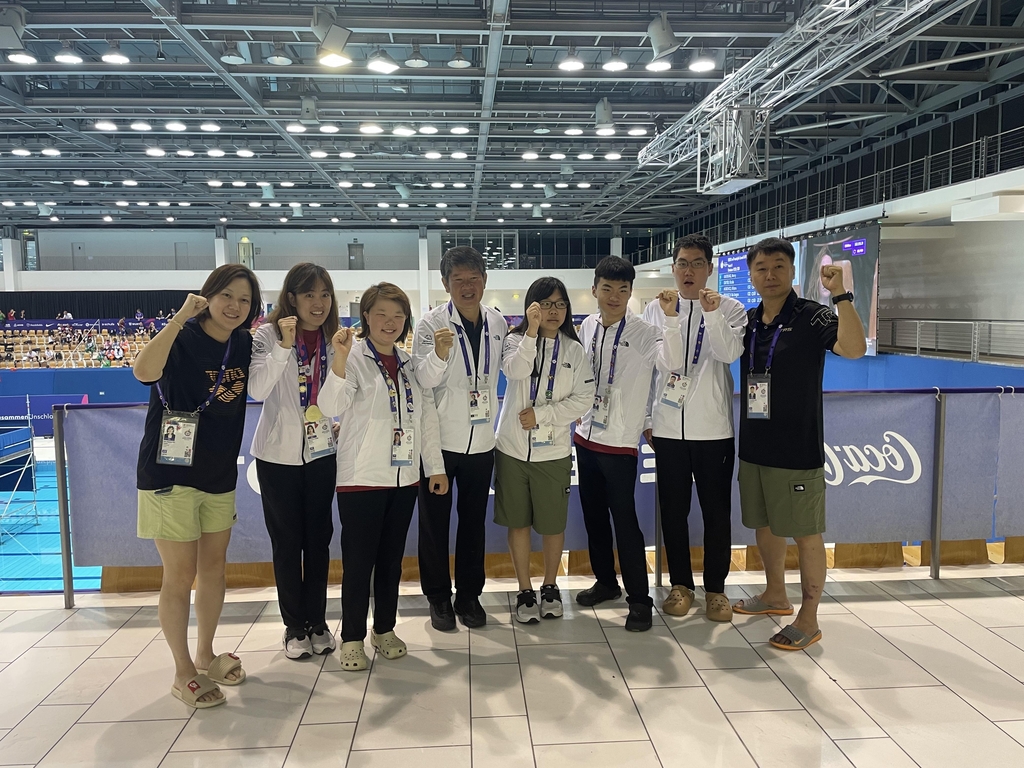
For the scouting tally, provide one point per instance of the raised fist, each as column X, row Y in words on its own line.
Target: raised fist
column 669, row 298
column 832, row 279
column 193, row 305
column 342, row 342
column 710, row 299
column 533, row 315
column 286, row 325
column 443, row 339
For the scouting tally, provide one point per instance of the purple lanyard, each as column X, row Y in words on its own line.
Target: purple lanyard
column 483, row 340
column 700, row 336
column 213, row 392
column 771, row 349
column 392, row 391
column 535, row 380
column 306, row 389
column 615, row 352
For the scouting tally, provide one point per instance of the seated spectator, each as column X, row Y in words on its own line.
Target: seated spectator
column 138, row 315
column 21, row 315
column 160, row 313
column 10, row 314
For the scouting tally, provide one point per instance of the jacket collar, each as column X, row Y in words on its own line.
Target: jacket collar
column 403, row 358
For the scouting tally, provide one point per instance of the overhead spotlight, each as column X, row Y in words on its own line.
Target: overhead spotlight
column 459, row 61
column 317, row 154
column 51, row 151
column 215, row 152
column 370, row 128
column 416, row 60
column 346, row 155
column 21, row 151
column 530, row 156
column 571, row 62
column 663, row 40
column 175, row 125
column 295, row 128
column 238, row 183
column 232, row 55
column 459, row 129
column 246, row 152
column 81, row 182
column 403, row 130
column 12, row 27
column 585, row 156
column 536, row 212
column 108, row 219
column 702, row 62
column 279, row 57
column 22, row 56
column 67, row 53
column 613, row 156
column 428, row 129
column 432, row 155
column 160, row 56
column 209, row 126
column 616, row 63
column 332, row 36
column 604, row 120
column 637, row 131
column 403, row 191
column 380, row 61
column 549, row 191
column 557, row 156
column 268, row 193
column 185, row 152
column 329, row 128
column 155, row 152
column 459, row 155
column 113, row 53
column 140, row 125
column 573, row 130
column 129, row 182
column 105, row 125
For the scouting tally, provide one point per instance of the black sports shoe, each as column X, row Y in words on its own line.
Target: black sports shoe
column 527, row 610
column 598, row 594
column 470, row 612
column 639, row 618
column 442, row 617
column 550, row 602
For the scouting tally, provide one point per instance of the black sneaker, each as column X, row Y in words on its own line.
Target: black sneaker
column 470, row 612
column 598, row 594
column 639, row 618
column 527, row 610
column 550, row 602
column 442, row 617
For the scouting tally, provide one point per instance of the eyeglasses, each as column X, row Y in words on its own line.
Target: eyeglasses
column 546, row 305
column 696, row 264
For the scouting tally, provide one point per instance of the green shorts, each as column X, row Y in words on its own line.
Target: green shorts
column 184, row 514
column 789, row 501
column 532, row 494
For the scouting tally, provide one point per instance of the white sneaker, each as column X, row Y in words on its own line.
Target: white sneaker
column 297, row 647
column 550, row 602
column 527, row 609
column 323, row 642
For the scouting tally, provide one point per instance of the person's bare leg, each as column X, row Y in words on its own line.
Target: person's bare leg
column 553, row 547
column 813, row 570
column 773, row 555
column 210, row 587
column 179, row 562
column 519, row 547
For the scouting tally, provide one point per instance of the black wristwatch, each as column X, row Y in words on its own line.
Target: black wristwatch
column 842, row 297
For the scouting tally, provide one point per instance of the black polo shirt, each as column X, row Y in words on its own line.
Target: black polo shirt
column 793, row 438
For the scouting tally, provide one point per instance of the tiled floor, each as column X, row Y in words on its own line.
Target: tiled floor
column 910, row 672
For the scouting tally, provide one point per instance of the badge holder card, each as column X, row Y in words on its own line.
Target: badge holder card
column 542, row 436
column 402, row 447
column 178, row 430
column 758, row 391
column 675, row 391
column 480, row 406
column 604, row 403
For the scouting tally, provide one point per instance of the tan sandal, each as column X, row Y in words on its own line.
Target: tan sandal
column 717, row 607
column 222, row 666
column 678, row 602
column 353, row 656
column 195, row 689
column 389, row 645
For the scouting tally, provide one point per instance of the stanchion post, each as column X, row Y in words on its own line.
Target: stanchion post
column 657, row 533
column 63, row 506
column 940, row 457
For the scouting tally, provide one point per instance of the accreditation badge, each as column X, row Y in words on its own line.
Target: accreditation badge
column 178, row 432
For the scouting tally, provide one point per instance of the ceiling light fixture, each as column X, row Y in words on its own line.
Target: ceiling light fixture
column 164, row 204
column 279, row 57
column 459, row 185
column 432, row 155
column 332, row 36
column 557, row 156
column 571, row 62
column 140, row 125
column 129, row 182
column 113, row 54
column 381, row 62
column 21, row 151
column 573, row 130
column 287, row 184
column 243, row 152
column 508, row 205
column 428, row 129
column 440, row 205
column 67, row 53
column 702, row 62
column 616, row 63
column 459, row 130
column 583, row 185
column 108, row 219
column 255, row 204
column 283, row 219
column 170, row 218
column 215, row 152
column 369, row 184
column 223, row 219
column 394, row 220
column 317, row 154
column 209, row 126
column 459, row 155
column 232, row 55
column 370, row 128
column 459, row 61
column 604, row 120
column 346, row 155
column 444, row 220
column 345, row 184
column 313, row 205
column 238, row 183
column 155, row 152
column 437, row 184
column 334, row 220
column 663, row 43
column 516, row 185
column 81, row 182
column 585, row 156
column 54, row 218
column 530, row 155
column 105, row 125
column 51, row 151
column 329, row 128
column 186, row 153
column 403, row 130
column 184, row 204
column 121, row 203
column 175, row 125
column 637, row 131
column 613, row 156
column 416, row 60
column 383, row 205
column 215, row 183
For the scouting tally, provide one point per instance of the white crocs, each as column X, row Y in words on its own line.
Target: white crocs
column 389, row 645
column 353, row 656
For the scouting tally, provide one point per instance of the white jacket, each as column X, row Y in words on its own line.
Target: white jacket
column 572, row 396
column 707, row 410
column 274, row 379
column 364, row 444
column 641, row 348
column 449, row 381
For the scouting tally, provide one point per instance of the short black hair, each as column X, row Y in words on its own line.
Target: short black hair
column 462, row 256
column 771, row 245
column 697, row 241
column 614, row 268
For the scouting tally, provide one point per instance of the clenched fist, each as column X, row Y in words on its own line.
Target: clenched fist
column 342, row 342
column 286, row 325
column 443, row 338
column 528, row 418
column 438, row 484
column 533, row 314
column 194, row 304
column 669, row 298
column 710, row 299
column 832, row 279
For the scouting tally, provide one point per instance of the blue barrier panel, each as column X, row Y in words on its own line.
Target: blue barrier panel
column 972, row 458
column 17, row 408
column 102, row 385
column 1010, row 472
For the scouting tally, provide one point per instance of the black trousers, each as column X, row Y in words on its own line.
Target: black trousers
column 472, row 472
column 710, row 463
column 374, row 526
column 606, row 484
column 297, row 510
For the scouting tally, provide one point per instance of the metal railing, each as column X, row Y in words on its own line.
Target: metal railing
column 989, row 341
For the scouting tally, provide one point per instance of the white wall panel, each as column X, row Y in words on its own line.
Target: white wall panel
column 281, row 249
column 110, row 249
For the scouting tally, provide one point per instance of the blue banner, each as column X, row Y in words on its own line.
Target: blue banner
column 15, row 410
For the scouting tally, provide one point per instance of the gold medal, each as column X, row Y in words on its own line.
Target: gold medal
column 313, row 414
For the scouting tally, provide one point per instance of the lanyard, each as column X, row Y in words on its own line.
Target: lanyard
column 213, row 392
column 535, row 379
column 309, row 386
column 483, row 340
column 392, row 390
column 771, row 349
column 615, row 352
column 700, row 336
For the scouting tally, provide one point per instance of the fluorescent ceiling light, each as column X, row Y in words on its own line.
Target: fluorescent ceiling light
column 105, row 125
column 329, row 128
column 280, row 57
column 416, row 60
column 140, row 125
column 113, row 53
column 232, row 55
column 371, row 128
column 380, row 61
column 67, row 53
